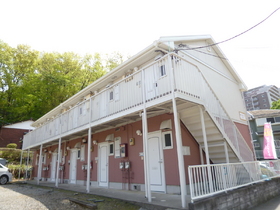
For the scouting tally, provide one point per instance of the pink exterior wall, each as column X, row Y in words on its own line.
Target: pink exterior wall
column 245, row 132
column 136, row 172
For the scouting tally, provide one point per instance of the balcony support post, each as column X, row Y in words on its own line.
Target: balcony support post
column 20, row 163
column 39, row 173
column 27, row 163
column 181, row 164
column 58, row 162
column 145, row 142
column 89, row 147
column 89, row 160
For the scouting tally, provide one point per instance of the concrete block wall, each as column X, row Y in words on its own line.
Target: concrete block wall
column 241, row 198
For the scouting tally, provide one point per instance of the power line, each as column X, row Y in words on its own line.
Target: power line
column 217, row 56
column 210, row 45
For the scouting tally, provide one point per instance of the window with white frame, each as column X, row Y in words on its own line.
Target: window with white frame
column 82, row 152
column 111, row 148
column 117, row 147
column 167, row 140
column 162, row 71
column 79, row 154
column 111, row 95
column 44, row 158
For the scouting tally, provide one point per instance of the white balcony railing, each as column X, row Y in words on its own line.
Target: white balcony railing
column 224, row 177
column 119, row 97
column 127, row 94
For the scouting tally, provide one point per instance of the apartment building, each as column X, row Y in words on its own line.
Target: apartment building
column 257, row 118
column 261, row 97
column 141, row 125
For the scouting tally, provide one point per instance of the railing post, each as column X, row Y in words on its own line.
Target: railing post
column 206, row 150
column 191, row 183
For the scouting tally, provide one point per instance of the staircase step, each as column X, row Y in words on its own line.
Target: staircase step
column 192, row 120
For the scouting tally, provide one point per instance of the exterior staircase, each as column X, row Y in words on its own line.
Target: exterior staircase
column 218, row 142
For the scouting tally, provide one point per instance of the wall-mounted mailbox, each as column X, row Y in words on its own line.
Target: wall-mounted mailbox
column 123, row 148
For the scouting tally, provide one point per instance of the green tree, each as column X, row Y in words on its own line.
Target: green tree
column 32, row 83
column 113, row 60
column 275, row 105
column 15, row 67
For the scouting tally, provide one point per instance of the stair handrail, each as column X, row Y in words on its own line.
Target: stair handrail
column 223, row 109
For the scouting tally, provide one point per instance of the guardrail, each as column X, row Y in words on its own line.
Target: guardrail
column 224, row 177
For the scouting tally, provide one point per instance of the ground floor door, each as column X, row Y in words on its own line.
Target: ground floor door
column 73, row 166
column 53, row 166
column 156, row 164
column 103, row 164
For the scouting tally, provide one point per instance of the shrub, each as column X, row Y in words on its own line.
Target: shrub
column 12, row 145
column 13, row 156
column 17, row 170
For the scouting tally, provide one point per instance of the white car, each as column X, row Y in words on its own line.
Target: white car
column 5, row 175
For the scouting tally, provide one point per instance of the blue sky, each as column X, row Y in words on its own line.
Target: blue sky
column 128, row 26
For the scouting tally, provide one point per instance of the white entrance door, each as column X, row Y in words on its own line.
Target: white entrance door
column 53, row 167
column 73, row 166
column 150, row 82
column 103, row 164
column 156, row 164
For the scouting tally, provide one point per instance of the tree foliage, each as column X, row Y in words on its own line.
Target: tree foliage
column 32, row 82
column 275, row 105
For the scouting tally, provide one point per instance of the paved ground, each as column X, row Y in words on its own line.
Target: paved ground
column 159, row 200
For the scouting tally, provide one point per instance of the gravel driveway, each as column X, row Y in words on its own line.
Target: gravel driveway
column 33, row 197
column 27, row 197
